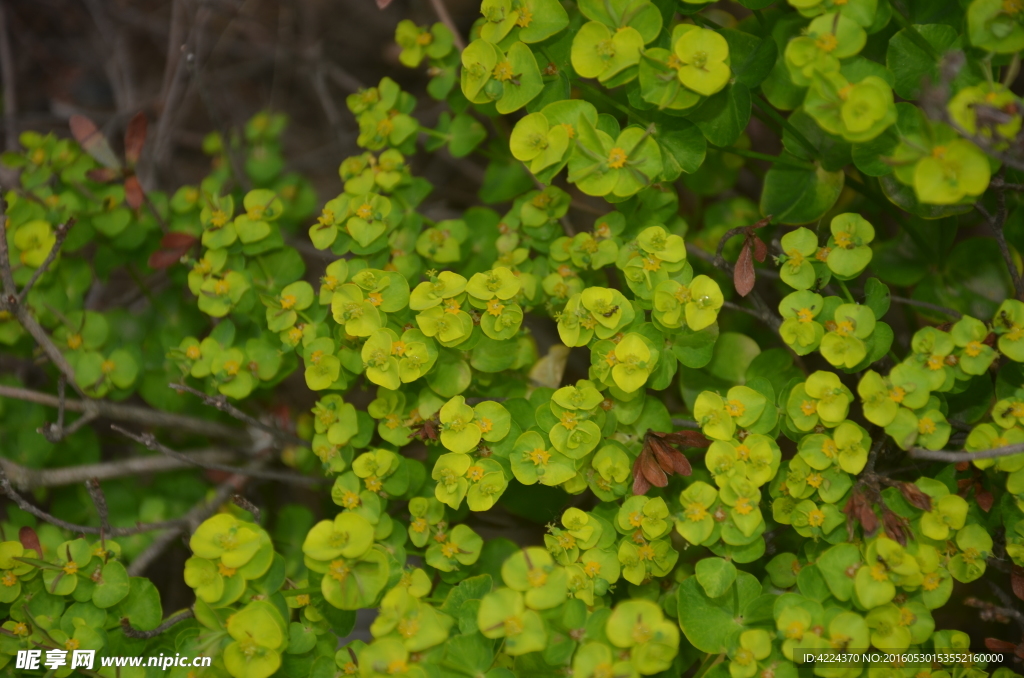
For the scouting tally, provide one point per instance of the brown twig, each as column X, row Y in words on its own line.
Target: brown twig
column 149, row 441
column 446, row 19
column 7, row 488
column 996, row 222
column 25, row 479
column 129, row 413
column 60, row 234
column 100, row 502
column 132, row 632
column 954, row 457
column 222, row 404
column 244, row 503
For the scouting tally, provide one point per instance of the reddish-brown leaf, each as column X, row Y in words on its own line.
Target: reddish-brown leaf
column 997, row 645
column 868, row 518
column 760, row 249
column 165, row 258
column 1017, row 581
column 650, row 469
column 682, row 464
column 101, row 175
column 640, row 483
column 915, row 497
column 684, row 438
column 984, row 498
column 135, row 138
column 176, row 239
column 93, row 142
column 381, row 4
column 963, row 465
column 662, row 453
column 133, row 194
column 895, row 527
column 30, row 540
column 743, row 275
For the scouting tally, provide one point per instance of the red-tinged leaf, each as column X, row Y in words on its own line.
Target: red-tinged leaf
column 760, row 249
column 382, row 4
column 640, row 483
column 135, row 138
column 984, row 498
column 650, row 469
column 176, row 239
column 895, row 527
column 963, row 485
column 166, row 258
column 997, row 645
column 101, row 175
column 760, row 224
column 915, row 497
column 133, row 194
column 743, row 275
column 682, row 464
column 684, row 438
column 868, row 519
column 30, row 540
column 1017, row 581
column 662, row 453
column 93, row 142
column 963, row 465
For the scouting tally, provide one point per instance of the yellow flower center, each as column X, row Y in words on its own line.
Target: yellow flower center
column 409, row 627
column 695, row 513
column 814, row 480
column 592, row 568
column 503, row 71
column 925, row 426
column 373, row 484
column 974, row 348
column 419, row 525
column 539, row 456
column 935, row 362
column 735, row 408
column 844, row 240
column 939, row 152
column 932, row 580
column 424, row 39
column 636, row 518
column 221, row 287
column 743, row 452
column 449, row 549
column 827, row 43
column 743, row 657
column 829, row 448
column 72, row 644
column 1017, row 409
column 907, row 617
column 525, row 17
column 495, row 307
column 796, row 259
column 536, row 577
column 897, row 394
column 107, row 366
column 364, row 211
column 1013, row 7
column 795, row 630
column 808, row 407
column 743, row 506
column 566, row 540
column 617, row 158
column 570, row 130
column 652, row 263
column 74, row 341
column 804, row 315
column 288, row 301
column 452, row 306
column 218, row 218
column 822, row 254
column 350, row 499
column 642, row 632
column 568, row 420
column 338, row 570
column 226, row 571
column 302, row 600
column 475, row 473
column 844, row 328
column 193, row 353
column 645, row 552
column 816, row 518
column 397, row 666
column 9, row 579
column 878, row 572
column 20, row 629
column 513, row 626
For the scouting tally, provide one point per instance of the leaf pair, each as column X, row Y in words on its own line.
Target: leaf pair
column 93, row 142
column 659, row 459
column 743, row 275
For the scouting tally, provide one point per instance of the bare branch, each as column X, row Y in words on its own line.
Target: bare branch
column 222, row 404
column 25, row 479
column 100, row 502
column 954, row 457
column 24, row 505
column 129, row 413
column 995, row 223
column 244, row 503
column 446, row 19
column 61, row 234
column 132, row 632
column 924, row 304
column 150, row 442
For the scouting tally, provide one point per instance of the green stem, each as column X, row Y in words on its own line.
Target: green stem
column 846, row 291
column 434, row 133
column 299, row 592
column 597, row 92
column 754, row 155
column 705, row 22
column 706, row 665
column 913, row 34
column 786, row 124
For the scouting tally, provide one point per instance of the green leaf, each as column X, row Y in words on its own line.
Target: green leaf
column 794, row 195
column 724, row 116
column 683, row 148
column 716, row 575
column 141, row 606
column 709, row 623
column 910, row 64
column 877, row 297
column 751, row 58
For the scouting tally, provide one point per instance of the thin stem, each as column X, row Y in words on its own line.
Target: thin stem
column 222, row 404
column 132, row 632
column 954, row 457
column 754, row 155
column 597, row 92
column 846, row 291
column 446, row 19
column 786, row 124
